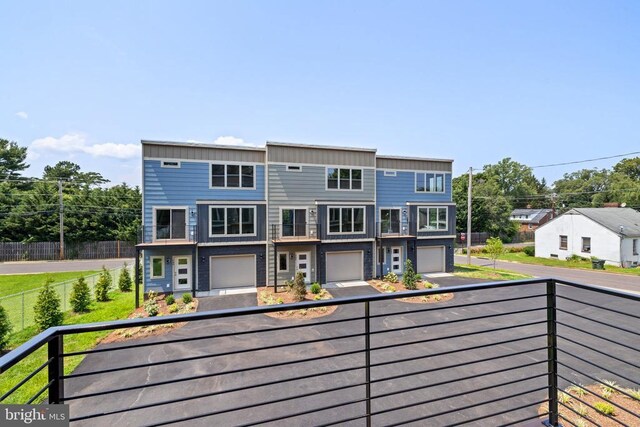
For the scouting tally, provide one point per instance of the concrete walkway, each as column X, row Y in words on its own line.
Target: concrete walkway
column 27, row 267
column 339, row 345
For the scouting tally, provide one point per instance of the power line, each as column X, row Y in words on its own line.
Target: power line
column 586, row 161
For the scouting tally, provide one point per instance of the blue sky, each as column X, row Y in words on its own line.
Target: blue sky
column 475, row 81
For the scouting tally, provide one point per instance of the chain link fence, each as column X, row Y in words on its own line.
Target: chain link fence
column 19, row 307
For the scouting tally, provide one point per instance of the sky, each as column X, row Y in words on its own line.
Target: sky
column 474, row 81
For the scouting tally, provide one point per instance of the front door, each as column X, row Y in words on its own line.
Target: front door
column 303, row 259
column 182, row 272
column 396, row 259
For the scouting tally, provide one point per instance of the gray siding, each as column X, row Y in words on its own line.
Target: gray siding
column 320, row 156
column 205, row 252
column 193, row 152
column 370, row 224
column 290, row 273
column 366, row 247
column 451, row 223
column 448, row 250
column 203, row 225
column 414, row 164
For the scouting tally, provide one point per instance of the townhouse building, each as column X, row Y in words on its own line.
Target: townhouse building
column 218, row 217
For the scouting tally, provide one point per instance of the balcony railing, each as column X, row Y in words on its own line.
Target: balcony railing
column 394, row 228
column 497, row 353
column 166, row 234
column 294, row 232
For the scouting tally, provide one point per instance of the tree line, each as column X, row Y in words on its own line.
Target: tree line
column 499, row 188
column 93, row 211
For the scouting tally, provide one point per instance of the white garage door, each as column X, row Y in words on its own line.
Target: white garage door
column 343, row 266
column 431, row 259
column 232, row 271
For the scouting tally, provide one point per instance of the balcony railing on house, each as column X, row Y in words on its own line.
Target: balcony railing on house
column 167, row 235
column 496, row 354
column 393, row 229
column 299, row 232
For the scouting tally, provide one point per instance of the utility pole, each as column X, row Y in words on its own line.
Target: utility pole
column 469, row 216
column 61, row 220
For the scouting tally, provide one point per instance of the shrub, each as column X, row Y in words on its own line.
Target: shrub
column 5, row 328
column 635, row 393
column 604, row 408
column 170, row 299
column 80, row 296
column 101, row 289
column 299, row 288
column 47, row 311
column 151, row 304
column 529, row 250
column 391, row 277
column 409, row 276
column 316, row 288
column 107, row 276
column 173, row 308
column 124, row 282
column 186, row 298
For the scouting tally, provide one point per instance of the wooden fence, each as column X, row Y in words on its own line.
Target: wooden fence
column 50, row 251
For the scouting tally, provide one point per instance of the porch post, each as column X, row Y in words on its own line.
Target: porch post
column 275, row 268
column 136, row 279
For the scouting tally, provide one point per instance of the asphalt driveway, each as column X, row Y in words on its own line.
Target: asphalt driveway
column 338, row 345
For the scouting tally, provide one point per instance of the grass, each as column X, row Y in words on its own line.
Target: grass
column 550, row 262
column 119, row 307
column 15, row 283
column 486, row 273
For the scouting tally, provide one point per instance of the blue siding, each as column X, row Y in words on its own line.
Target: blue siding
column 164, row 284
column 396, row 191
column 183, row 186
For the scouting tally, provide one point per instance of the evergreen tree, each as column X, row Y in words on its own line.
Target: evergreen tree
column 124, row 282
column 80, row 296
column 102, row 286
column 5, row 328
column 47, row 308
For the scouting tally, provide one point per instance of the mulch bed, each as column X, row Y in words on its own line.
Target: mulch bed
column 266, row 296
column 386, row 287
column 588, row 417
column 119, row 335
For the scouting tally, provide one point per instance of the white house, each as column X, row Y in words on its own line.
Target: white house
column 611, row 234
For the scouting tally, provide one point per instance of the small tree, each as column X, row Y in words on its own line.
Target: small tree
column 494, row 248
column 47, row 312
column 102, row 286
column 124, row 282
column 80, row 296
column 107, row 276
column 409, row 276
column 299, row 288
column 5, row 328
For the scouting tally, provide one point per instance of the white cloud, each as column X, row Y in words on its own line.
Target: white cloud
column 22, row 115
column 228, row 140
column 75, row 143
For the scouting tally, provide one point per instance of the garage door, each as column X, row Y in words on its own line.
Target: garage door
column 343, row 266
column 431, row 259
column 232, row 271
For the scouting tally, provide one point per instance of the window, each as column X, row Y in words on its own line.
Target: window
column 586, row 244
column 389, row 173
column 432, row 219
column 294, row 222
column 170, row 223
column 429, row 182
column 634, row 245
column 232, row 221
column 283, row 261
column 157, row 267
column 294, row 168
column 389, row 221
column 232, row 176
column 170, row 164
column 346, row 220
column 563, row 242
column 344, row 179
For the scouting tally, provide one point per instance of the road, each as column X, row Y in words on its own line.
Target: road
column 623, row 282
column 27, row 267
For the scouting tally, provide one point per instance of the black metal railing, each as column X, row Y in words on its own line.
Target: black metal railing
column 295, row 232
column 496, row 353
column 394, row 228
column 167, row 234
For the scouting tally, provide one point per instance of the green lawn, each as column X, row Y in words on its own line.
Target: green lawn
column 525, row 259
column 486, row 273
column 15, row 283
column 119, row 307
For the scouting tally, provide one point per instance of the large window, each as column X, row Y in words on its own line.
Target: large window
column 389, row 221
column 283, row 261
column 294, row 222
column 232, row 220
column 563, row 242
column 427, row 182
column 344, row 179
column 586, row 244
column 170, row 223
column 346, row 220
column 432, row 219
column 635, row 246
column 232, row 176
column 157, row 267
